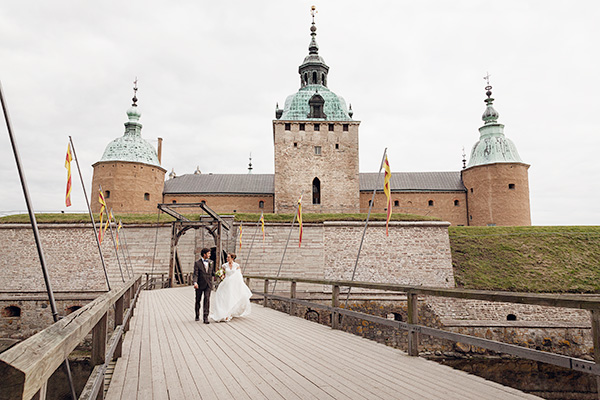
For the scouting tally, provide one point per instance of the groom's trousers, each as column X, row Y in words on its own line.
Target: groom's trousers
column 205, row 304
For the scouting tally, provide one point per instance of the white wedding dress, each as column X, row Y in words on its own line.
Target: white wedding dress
column 232, row 298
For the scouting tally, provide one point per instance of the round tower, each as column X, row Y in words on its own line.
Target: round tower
column 316, row 144
column 129, row 172
column 495, row 178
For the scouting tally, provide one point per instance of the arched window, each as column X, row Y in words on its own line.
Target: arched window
column 323, row 79
column 396, row 203
column 174, row 201
column 305, row 78
column 107, row 194
column 261, row 204
column 430, row 203
column 456, row 203
column 317, row 106
column 314, row 77
column 203, row 202
column 316, row 190
column 11, row 311
column 147, row 196
column 511, row 317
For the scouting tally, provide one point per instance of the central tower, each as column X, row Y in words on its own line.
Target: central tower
column 316, row 144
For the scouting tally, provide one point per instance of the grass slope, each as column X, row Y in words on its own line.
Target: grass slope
column 527, row 259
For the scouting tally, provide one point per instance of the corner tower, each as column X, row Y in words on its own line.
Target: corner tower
column 496, row 179
column 316, row 144
column 129, row 171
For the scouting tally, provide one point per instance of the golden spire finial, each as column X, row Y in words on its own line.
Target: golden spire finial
column 313, row 11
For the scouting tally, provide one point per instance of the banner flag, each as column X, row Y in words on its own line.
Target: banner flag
column 388, row 194
column 68, row 160
column 240, row 236
column 300, row 220
column 101, row 201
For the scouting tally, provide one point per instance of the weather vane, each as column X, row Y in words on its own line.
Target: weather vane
column 135, row 89
column 487, row 78
column 313, row 11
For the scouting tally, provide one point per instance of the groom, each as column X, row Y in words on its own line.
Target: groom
column 204, row 271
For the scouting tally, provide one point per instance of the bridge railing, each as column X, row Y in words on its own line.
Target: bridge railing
column 414, row 329
column 26, row 367
column 160, row 280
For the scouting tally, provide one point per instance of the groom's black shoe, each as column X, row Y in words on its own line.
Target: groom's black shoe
column 197, row 318
column 206, row 321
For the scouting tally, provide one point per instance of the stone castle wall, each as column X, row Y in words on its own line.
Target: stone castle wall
column 225, row 204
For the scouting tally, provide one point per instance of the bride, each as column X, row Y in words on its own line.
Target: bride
column 232, row 298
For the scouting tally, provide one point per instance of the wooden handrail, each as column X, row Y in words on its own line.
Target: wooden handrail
column 26, row 367
column 591, row 303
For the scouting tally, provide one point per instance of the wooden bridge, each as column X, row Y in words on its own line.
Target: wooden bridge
column 268, row 355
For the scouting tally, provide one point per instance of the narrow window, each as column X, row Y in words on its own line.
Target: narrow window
column 314, row 77
column 301, row 127
column 370, row 203
column 430, row 203
column 318, row 150
column 322, row 79
column 456, row 203
column 511, row 186
column 107, row 194
column 305, row 78
column 337, row 146
column 511, row 317
column 203, row 202
column 331, row 126
column 261, row 204
column 174, row 201
column 316, row 190
column 295, row 144
column 317, row 127
column 288, row 126
column 345, row 127
column 147, row 196
column 396, row 203
column 471, row 190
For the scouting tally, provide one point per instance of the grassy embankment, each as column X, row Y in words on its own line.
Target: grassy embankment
column 527, row 259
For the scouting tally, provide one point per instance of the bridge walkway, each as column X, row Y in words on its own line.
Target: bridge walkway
column 271, row 355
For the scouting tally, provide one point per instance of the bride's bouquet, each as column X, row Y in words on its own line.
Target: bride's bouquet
column 219, row 276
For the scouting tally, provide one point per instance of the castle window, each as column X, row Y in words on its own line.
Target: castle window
column 295, row 144
column 471, row 190
column 345, row 127
column 288, row 126
column 314, row 77
column 396, row 203
column 147, row 196
column 511, row 317
column 174, row 201
column 337, row 146
column 323, row 79
column 370, row 203
column 317, row 105
column 331, row 126
column 318, row 150
column 11, row 311
column 317, row 127
column 305, row 78
column 261, row 204
column 107, row 194
column 456, row 203
column 203, row 202
column 430, row 203
column 511, row 186
column 301, row 127
column 316, row 191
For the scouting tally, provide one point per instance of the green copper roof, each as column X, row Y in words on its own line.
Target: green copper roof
column 493, row 146
column 131, row 146
column 297, row 107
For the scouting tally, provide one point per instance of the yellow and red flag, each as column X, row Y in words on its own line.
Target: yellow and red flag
column 240, row 236
column 262, row 225
column 300, row 220
column 387, row 191
column 68, row 160
column 118, row 229
column 110, row 218
column 103, row 202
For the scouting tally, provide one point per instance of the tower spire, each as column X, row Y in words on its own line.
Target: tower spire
column 250, row 164
column 490, row 115
column 313, row 70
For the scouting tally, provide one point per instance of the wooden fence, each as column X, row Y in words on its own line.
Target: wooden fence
column 414, row 329
column 26, row 367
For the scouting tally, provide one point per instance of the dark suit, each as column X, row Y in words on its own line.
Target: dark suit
column 204, row 278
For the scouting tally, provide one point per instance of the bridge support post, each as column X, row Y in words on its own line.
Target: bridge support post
column 266, row 291
column 335, row 303
column 413, row 318
column 596, row 342
column 119, row 321
column 293, row 296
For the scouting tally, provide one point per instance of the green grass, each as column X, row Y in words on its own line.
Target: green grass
column 527, row 259
column 152, row 218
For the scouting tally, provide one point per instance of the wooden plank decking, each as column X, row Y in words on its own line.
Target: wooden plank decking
column 270, row 355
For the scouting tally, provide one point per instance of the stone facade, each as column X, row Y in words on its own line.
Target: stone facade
column 329, row 155
column 447, row 206
column 498, row 194
column 129, row 187
column 225, row 203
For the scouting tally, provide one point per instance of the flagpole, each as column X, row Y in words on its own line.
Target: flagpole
column 127, row 250
column 87, row 202
column 113, row 240
column 366, row 224
column 287, row 242
column 129, row 275
column 251, row 244
column 36, row 232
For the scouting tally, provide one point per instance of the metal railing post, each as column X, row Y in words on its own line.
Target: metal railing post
column 413, row 318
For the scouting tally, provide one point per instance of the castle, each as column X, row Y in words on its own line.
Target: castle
column 316, row 156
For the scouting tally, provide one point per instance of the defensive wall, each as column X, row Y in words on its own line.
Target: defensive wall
column 414, row 253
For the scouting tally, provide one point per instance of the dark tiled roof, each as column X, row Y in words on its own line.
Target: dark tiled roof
column 448, row 181
column 263, row 183
column 221, row 183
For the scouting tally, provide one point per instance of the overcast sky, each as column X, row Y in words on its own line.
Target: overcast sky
column 210, row 74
